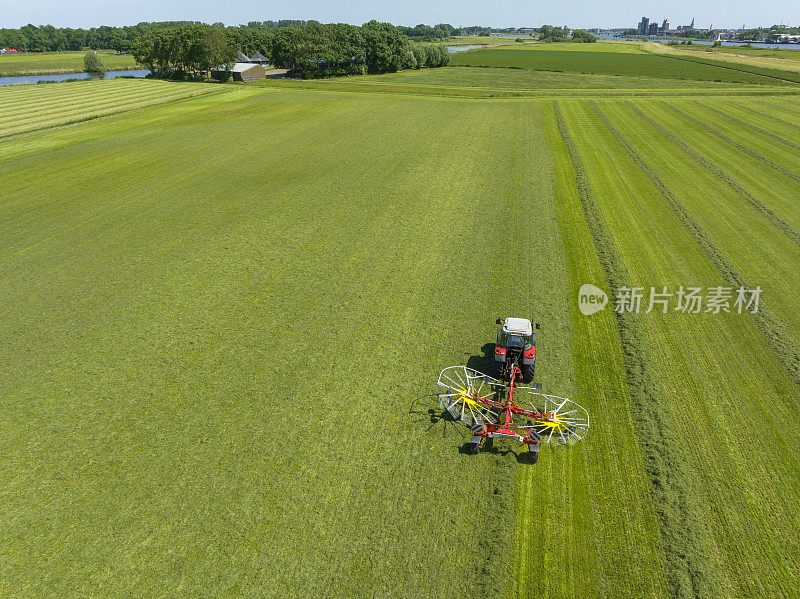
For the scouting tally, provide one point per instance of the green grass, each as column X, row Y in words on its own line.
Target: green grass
column 221, row 341
column 43, row 63
column 527, row 79
column 749, row 62
column 463, row 82
column 30, row 108
column 692, row 372
column 600, row 59
column 788, row 53
column 207, row 418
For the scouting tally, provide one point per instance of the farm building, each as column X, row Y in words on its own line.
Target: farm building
column 245, row 71
column 259, row 58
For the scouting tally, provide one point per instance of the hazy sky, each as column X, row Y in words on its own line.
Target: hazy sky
column 496, row 13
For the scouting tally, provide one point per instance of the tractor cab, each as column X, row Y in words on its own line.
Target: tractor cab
column 516, row 344
column 517, row 333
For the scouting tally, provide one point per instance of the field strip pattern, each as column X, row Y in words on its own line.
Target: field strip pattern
column 194, row 398
column 33, row 108
column 686, row 562
column 779, row 222
column 785, row 76
column 703, row 367
column 772, row 329
column 749, row 125
column 740, row 146
column 743, row 236
column 752, row 110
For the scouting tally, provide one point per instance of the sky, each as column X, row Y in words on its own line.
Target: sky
column 497, row 13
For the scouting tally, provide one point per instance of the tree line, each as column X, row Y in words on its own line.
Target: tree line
column 550, row 33
column 442, row 31
column 340, row 49
column 185, row 51
column 252, row 37
column 311, row 50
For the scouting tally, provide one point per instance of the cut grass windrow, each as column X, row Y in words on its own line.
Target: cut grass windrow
column 766, row 115
column 788, row 108
column 59, row 106
column 773, row 331
column 781, row 169
column 687, row 569
column 776, row 220
column 739, row 121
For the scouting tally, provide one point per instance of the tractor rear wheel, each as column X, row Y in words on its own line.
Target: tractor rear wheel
column 474, row 448
column 527, row 373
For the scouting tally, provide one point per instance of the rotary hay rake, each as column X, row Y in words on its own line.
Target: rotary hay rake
column 495, row 409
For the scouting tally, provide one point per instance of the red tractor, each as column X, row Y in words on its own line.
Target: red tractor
column 502, row 408
column 516, row 345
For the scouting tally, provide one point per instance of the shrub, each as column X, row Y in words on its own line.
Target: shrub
column 92, row 63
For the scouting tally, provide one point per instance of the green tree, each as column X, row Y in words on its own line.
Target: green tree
column 580, row 35
column 420, row 55
column 385, row 47
column 92, row 63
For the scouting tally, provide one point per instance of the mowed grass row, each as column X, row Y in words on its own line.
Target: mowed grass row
column 728, row 499
column 39, row 107
column 462, row 87
column 504, row 78
column 65, row 109
column 26, row 100
column 599, row 61
column 739, row 237
column 767, row 168
column 227, row 383
column 39, row 63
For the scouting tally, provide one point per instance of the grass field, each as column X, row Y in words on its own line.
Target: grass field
column 31, row 108
column 44, row 63
column 505, row 78
column 788, row 53
column 627, row 60
column 221, row 342
column 762, row 65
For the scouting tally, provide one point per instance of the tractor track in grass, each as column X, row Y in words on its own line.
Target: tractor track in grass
column 686, row 564
column 739, row 121
column 781, row 169
column 770, row 327
column 776, row 220
column 764, row 114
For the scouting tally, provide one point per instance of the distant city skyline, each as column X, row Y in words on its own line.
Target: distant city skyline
column 502, row 13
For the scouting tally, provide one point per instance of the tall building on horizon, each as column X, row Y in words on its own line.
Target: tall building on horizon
column 644, row 26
